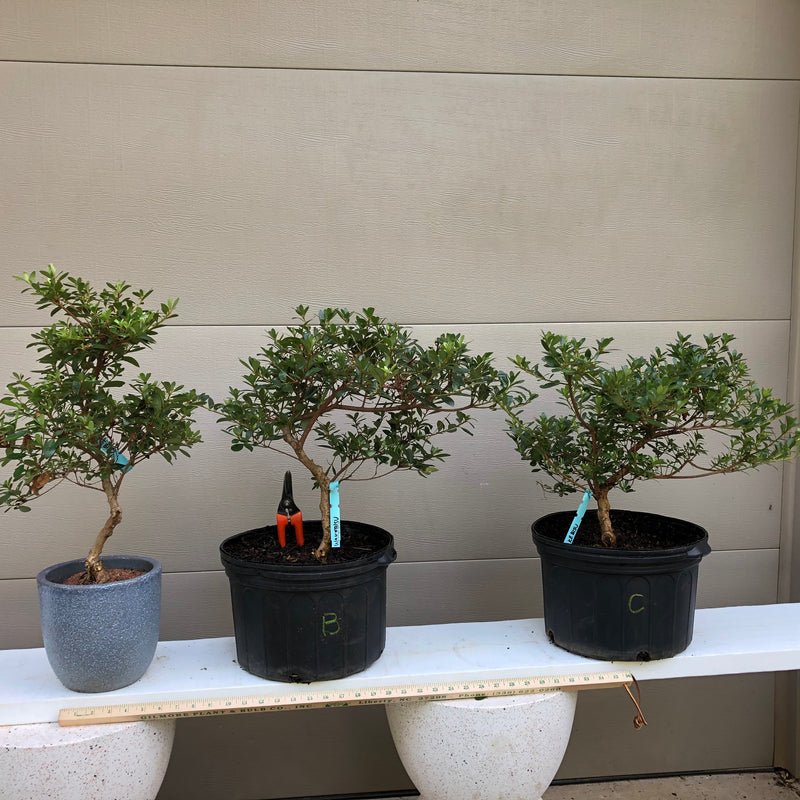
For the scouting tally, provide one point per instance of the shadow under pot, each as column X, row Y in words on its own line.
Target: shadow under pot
column 309, row 622
column 101, row 636
column 615, row 604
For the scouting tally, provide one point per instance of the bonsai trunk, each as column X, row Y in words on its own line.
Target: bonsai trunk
column 607, row 534
column 95, row 572
column 325, row 511
column 324, row 488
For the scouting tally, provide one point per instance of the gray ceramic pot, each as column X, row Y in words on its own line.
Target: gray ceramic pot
column 100, row 637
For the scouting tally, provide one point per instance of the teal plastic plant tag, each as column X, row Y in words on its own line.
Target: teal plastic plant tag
column 576, row 523
column 120, row 460
column 336, row 522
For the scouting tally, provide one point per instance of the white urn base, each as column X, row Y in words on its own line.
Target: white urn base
column 124, row 761
column 498, row 748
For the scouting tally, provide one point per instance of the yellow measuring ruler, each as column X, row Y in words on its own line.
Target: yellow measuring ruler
column 302, row 698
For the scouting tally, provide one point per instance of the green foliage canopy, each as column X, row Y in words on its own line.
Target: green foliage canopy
column 650, row 418
column 79, row 418
column 362, row 389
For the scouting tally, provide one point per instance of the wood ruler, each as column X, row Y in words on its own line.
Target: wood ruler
column 304, row 697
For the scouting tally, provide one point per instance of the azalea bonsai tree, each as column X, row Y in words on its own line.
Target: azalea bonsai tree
column 687, row 411
column 353, row 397
column 79, row 419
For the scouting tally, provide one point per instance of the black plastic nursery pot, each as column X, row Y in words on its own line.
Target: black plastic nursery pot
column 301, row 623
column 613, row 604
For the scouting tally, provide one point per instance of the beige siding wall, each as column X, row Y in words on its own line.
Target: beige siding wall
column 496, row 168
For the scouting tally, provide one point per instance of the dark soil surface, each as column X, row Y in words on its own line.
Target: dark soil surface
column 635, row 531
column 262, row 547
column 114, row 575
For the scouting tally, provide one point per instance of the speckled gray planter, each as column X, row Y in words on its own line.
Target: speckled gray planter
column 124, row 761
column 100, row 637
column 500, row 748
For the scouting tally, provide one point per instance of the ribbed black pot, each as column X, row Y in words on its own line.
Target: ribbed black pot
column 310, row 623
column 611, row 604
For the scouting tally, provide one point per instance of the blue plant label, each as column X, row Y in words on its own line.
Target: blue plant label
column 120, row 460
column 576, row 523
column 336, row 522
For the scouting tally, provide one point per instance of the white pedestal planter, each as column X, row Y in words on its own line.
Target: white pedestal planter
column 124, row 761
column 500, row 748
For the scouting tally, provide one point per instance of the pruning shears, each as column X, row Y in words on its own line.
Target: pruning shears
column 288, row 512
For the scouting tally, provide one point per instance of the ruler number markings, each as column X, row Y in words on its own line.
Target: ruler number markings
column 325, row 698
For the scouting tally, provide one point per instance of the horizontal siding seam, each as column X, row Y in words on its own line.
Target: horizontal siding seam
column 421, row 71
column 459, row 562
column 470, row 323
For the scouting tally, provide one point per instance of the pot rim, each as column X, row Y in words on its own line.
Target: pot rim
column 306, row 570
column 613, row 552
column 78, row 564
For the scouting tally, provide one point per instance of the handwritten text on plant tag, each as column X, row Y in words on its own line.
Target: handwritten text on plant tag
column 573, row 529
column 336, row 523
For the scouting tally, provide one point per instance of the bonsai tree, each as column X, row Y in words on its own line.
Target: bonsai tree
column 365, row 392
column 689, row 411
column 79, row 420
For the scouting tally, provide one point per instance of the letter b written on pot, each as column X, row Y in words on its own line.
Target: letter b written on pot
column 330, row 624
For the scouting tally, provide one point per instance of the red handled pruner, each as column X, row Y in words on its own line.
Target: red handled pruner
column 289, row 512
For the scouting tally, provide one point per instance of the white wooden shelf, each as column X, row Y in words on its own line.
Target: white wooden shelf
column 726, row 641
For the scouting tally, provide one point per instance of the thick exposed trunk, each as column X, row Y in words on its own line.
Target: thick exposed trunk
column 324, row 487
column 95, row 572
column 604, row 518
column 325, row 511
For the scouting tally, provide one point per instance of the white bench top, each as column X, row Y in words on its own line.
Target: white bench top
column 726, row 641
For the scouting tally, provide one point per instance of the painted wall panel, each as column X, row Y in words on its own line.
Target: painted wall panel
column 695, row 724
column 250, row 191
column 262, row 756
column 197, row 604
column 495, row 167
column 479, row 505
column 739, row 39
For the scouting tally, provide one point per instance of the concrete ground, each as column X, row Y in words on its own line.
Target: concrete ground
column 734, row 786
column 729, row 786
